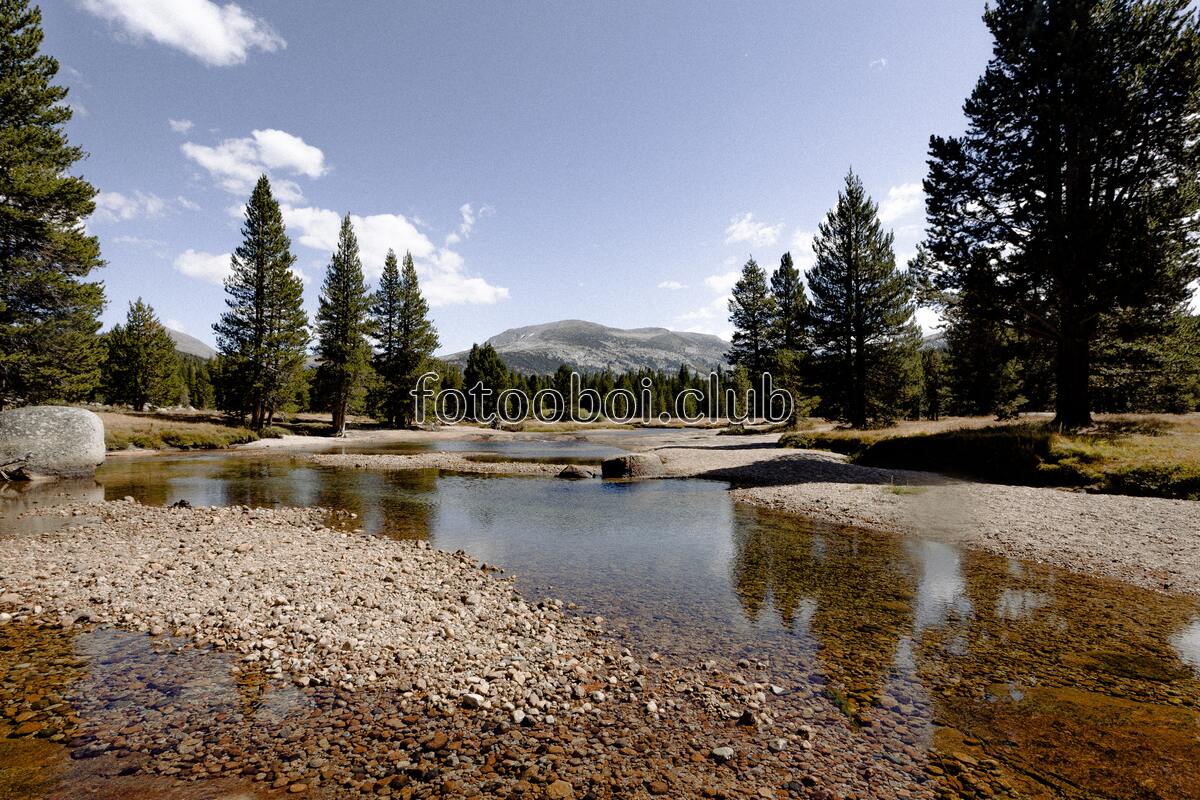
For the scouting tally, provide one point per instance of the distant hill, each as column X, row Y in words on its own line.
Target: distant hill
column 590, row 347
column 190, row 345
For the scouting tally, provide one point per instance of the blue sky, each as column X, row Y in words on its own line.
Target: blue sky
column 615, row 162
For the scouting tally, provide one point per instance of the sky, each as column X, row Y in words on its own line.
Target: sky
column 614, row 162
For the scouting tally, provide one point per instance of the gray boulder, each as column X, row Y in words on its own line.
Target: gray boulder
column 635, row 465
column 50, row 442
column 574, row 472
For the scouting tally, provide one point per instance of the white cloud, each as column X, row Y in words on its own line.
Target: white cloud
column 236, row 163
column 746, row 229
column 713, row 316
column 218, row 35
column 139, row 241
column 803, row 256
column 444, row 279
column 469, row 217
column 211, row 267
column 118, row 207
column 184, row 202
column 180, row 125
column 723, row 282
column 901, row 202
column 672, row 285
column 175, row 324
column 878, row 63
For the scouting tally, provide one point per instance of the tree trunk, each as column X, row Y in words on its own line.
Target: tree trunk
column 1072, row 402
column 858, row 396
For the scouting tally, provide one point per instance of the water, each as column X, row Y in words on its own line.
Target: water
column 1077, row 686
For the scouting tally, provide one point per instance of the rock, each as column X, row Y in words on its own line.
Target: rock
column 722, row 754
column 777, row 745
column 560, row 790
column 50, row 442
column 747, row 719
column 651, row 707
column 181, row 504
column 472, row 700
column 634, row 465
column 574, row 472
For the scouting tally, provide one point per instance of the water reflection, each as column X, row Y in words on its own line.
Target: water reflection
column 1088, row 685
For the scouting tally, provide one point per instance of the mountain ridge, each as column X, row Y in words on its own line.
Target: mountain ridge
column 591, row 347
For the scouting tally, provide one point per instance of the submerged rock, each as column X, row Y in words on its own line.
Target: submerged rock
column 573, row 472
column 634, row 465
column 50, row 442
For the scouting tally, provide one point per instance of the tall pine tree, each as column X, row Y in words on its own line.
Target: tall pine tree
column 49, row 314
column 142, row 366
column 752, row 313
column 343, row 324
column 1077, row 175
column 861, row 312
column 405, row 336
column 790, row 328
column 262, row 337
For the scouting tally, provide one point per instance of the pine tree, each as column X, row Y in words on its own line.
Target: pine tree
column 861, row 312
column 406, row 338
column 49, row 314
column 262, row 338
column 142, row 366
column 752, row 313
column 1077, row 175
column 484, row 367
column 790, row 329
column 343, row 324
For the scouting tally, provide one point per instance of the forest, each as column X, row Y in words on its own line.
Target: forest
column 1060, row 252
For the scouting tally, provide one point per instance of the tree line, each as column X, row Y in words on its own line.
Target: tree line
column 1059, row 248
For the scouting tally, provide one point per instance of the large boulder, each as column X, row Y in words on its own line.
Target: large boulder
column 50, row 442
column 635, row 465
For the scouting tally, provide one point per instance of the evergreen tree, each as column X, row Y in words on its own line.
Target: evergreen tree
column 790, row 329
column 197, row 381
column 935, row 389
column 343, row 324
column 484, row 367
column 49, row 314
column 406, row 338
column 262, row 338
column 1078, row 174
column 752, row 313
column 142, row 366
column 791, row 342
column 861, row 311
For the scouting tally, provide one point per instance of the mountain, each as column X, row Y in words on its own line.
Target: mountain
column 190, row 345
column 590, row 347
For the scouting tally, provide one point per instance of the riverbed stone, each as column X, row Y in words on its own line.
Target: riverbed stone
column 634, row 465
column 574, row 472
column 39, row 442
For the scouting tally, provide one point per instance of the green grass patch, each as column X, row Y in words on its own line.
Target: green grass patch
column 209, row 438
column 848, row 443
column 1148, row 457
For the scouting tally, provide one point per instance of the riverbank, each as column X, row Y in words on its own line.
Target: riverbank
column 359, row 665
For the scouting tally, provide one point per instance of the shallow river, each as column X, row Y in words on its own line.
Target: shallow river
column 1078, row 687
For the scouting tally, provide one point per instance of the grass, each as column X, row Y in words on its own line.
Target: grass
column 1146, row 455
column 155, row 431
